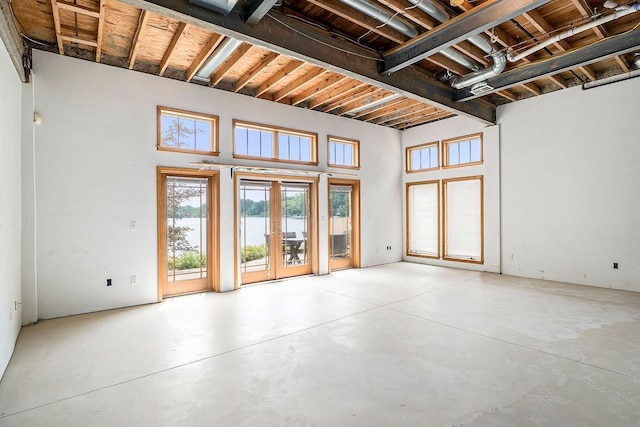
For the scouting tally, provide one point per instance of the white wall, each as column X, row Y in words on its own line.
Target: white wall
column 490, row 169
column 95, row 163
column 570, row 186
column 10, row 206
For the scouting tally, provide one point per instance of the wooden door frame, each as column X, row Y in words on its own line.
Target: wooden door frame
column 355, row 218
column 213, row 224
column 313, row 216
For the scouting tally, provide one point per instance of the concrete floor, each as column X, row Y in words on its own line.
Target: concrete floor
column 394, row 345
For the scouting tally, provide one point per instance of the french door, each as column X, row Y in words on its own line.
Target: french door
column 344, row 224
column 187, row 231
column 275, row 229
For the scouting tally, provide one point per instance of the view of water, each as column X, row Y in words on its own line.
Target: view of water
column 255, row 230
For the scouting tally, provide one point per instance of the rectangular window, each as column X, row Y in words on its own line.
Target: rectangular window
column 187, row 132
column 463, row 239
column 422, row 157
column 344, row 153
column 423, row 219
column 253, row 141
column 463, row 151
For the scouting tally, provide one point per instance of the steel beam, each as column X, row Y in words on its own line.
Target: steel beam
column 287, row 36
column 607, row 48
column 475, row 21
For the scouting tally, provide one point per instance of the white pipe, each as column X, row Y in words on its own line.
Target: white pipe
column 618, row 13
column 499, row 64
column 612, row 79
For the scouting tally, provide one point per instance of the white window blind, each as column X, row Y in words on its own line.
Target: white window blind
column 423, row 219
column 464, row 219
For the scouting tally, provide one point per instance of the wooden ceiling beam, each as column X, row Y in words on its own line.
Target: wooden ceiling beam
column 480, row 18
column 417, row 113
column 164, row 63
column 204, row 54
column 144, row 17
column 531, row 88
column 384, row 109
column 102, row 7
column 257, row 69
column 79, row 40
column 318, row 89
column 353, row 98
column 507, row 95
column 425, row 119
column 76, row 8
column 56, row 24
column 559, row 81
column 336, row 97
column 218, row 74
column 291, row 67
column 399, row 116
column 350, row 14
column 287, row 36
column 380, row 94
column 299, row 82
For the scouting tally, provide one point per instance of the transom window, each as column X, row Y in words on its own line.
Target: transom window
column 344, row 153
column 253, row 141
column 463, row 151
column 185, row 131
column 422, row 157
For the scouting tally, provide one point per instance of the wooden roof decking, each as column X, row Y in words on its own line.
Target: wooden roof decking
column 142, row 40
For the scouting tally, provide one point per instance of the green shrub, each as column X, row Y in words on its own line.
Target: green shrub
column 188, row 260
column 249, row 253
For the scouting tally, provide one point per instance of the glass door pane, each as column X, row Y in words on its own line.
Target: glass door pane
column 294, row 203
column 186, row 228
column 340, row 226
column 256, row 231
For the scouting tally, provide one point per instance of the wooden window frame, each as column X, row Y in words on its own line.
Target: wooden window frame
column 445, row 225
column 276, row 130
column 408, row 151
column 355, row 152
column 445, row 150
column 213, row 120
column 408, row 222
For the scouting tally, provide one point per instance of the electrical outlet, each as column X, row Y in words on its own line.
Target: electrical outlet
column 615, row 265
column 134, row 280
column 108, row 282
column 133, row 225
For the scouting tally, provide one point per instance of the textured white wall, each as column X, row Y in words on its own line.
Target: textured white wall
column 10, row 206
column 490, row 169
column 95, row 163
column 570, row 182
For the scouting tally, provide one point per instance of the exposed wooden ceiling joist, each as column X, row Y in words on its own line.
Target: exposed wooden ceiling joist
column 291, row 67
column 476, row 20
column 144, row 17
column 299, row 82
column 328, row 99
column 101, row 7
column 172, row 47
column 217, row 76
column 204, row 54
column 247, row 77
column 289, row 37
column 318, row 89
